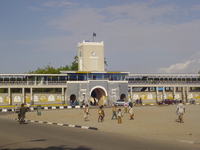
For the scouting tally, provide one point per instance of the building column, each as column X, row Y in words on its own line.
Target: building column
column 163, row 96
column 174, row 92
column 9, row 95
column 32, row 98
column 23, row 96
column 131, row 94
column 156, row 94
column 63, row 96
column 183, row 93
column 186, row 95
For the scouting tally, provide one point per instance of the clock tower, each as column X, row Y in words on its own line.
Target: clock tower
column 91, row 56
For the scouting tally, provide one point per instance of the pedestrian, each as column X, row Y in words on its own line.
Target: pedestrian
column 70, row 102
column 101, row 114
column 180, row 110
column 97, row 101
column 83, row 103
column 137, row 101
column 140, row 101
column 125, row 107
column 86, row 111
column 130, row 103
column 131, row 112
column 114, row 110
column 105, row 102
column 119, row 115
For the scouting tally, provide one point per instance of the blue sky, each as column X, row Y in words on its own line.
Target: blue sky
column 140, row 36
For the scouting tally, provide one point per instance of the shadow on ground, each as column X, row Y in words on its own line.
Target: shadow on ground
column 51, row 148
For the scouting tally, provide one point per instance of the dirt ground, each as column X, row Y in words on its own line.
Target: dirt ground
column 155, row 122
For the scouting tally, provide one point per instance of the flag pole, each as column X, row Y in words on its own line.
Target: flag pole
column 93, row 35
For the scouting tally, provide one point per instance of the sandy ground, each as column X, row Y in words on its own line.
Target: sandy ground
column 155, row 122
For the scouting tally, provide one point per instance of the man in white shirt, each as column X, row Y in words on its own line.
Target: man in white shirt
column 180, row 110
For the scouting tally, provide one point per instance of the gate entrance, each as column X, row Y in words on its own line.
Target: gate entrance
column 98, row 96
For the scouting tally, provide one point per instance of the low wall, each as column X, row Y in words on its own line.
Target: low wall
column 151, row 97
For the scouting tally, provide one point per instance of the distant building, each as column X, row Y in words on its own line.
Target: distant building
column 91, row 84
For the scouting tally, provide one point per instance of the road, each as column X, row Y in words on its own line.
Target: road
column 36, row 136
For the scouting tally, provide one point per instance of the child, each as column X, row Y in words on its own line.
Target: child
column 101, row 114
column 86, row 111
column 119, row 115
column 114, row 110
column 131, row 112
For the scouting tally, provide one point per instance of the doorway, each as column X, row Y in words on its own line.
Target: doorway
column 98, row 96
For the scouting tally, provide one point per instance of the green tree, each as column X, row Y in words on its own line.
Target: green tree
column 51, row 70
column 45, row 70
column 74, row 65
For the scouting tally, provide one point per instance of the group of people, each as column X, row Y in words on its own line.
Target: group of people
column 117, row 113
column 138, row 101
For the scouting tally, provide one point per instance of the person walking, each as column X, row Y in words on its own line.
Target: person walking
column 101, row 114
column 119, row 115
column 86, row 111
column 125, row 107
column 131, row 112
column 180, row 110
column 114, row 110
column 140, row 101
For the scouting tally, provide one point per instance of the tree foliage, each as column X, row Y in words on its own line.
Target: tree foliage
column 51, row 70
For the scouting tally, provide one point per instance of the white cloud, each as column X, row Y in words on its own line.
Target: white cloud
column 146, row 26
column 190, row 66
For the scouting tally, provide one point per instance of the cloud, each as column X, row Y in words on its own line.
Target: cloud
column 189, row 66
column 147, row 26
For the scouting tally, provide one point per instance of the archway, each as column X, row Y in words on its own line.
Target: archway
column 123, row 96
column 98, row 93
column 73, row 98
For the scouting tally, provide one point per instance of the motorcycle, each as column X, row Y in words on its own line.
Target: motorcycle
column 22, row 119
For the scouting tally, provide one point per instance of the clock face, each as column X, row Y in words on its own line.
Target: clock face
column 93, row 53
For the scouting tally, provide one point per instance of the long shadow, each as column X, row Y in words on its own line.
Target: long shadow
column 52, row 148
column 62, row 147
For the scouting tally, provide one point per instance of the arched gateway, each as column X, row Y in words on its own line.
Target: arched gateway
column 99, row 93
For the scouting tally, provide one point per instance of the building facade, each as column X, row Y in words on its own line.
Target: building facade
column 91, row 84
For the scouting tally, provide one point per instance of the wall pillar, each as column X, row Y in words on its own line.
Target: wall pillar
column 23, row 96
column 163, row 96
column 32, row 97
column 10, row 97
column 174, row 92
column 186, row 95
column 156, row 94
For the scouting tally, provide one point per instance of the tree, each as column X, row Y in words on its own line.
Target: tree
column 105, row 62
column 45, row 70
column 74, row 65
column 51, row 70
